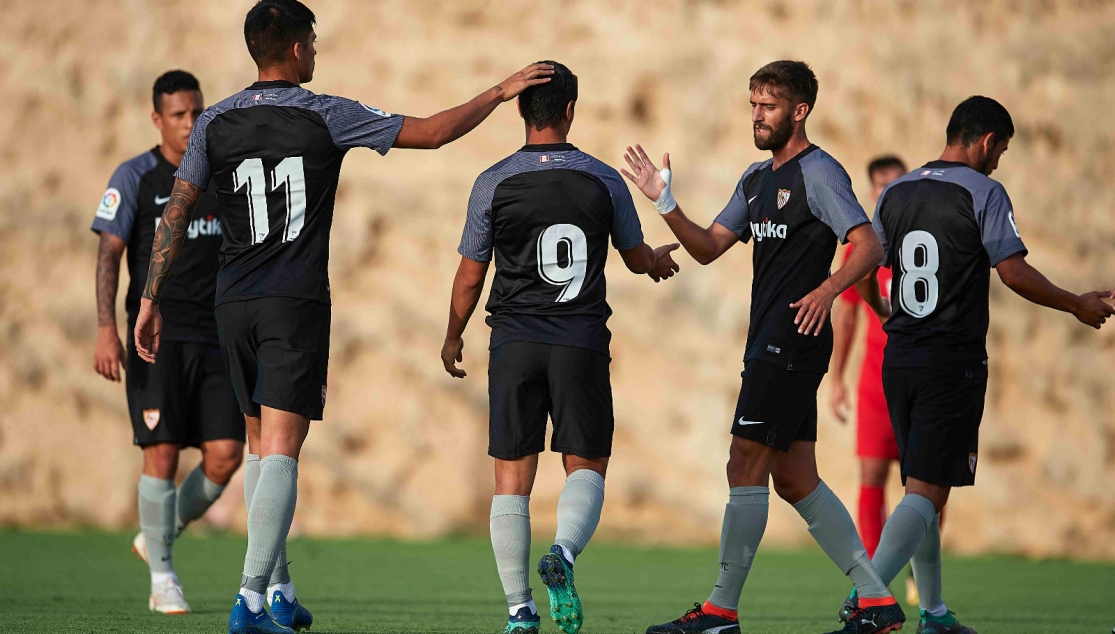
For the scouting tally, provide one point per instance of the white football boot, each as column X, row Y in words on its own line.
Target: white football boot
column 166, row 598
column 139, row 547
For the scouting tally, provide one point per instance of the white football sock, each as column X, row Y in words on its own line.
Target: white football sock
column 519, row 606
column 162, row 577
column 286, row 588
column 253, row 599
column 568, row 554
column 940, row 610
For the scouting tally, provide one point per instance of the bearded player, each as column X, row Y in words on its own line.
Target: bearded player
column 185, row 399
column 274, row 153
column 797, row 206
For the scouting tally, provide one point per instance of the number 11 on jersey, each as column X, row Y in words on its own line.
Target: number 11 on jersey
column 249, row 175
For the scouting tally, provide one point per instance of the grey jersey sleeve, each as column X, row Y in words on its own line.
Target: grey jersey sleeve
column 828, row 189
column 478, row 236
column 117, row 211
column 877, row 225
column 627, row 231
column 352, row 124
column 997, row 227
column 735, row 216
column 195, row 167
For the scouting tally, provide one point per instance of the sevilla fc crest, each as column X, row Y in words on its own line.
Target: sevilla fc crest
column 783, row 197
column 151, row 418
column 972, row 462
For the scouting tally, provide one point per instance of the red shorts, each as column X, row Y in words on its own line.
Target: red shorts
column 874, row 433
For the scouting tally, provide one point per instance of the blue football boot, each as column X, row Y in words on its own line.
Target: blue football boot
column 557, row 575
column 244, row 621
column 524, row 622
column 290, row 613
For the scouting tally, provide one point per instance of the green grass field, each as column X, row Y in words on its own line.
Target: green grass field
column 90, row 582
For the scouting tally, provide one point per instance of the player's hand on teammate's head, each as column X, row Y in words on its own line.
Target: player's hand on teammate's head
column 452, row 353
column 813, row 311
column 840, row 403
column 532, row 75
column 109, row 356
column 664, row 265
column 643, row 173
column 149, row 326
column 1093, row 310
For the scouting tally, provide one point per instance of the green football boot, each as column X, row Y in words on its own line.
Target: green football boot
column 557, row 576
column 946, row 624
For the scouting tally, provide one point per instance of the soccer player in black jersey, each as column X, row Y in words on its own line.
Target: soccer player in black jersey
column 795, row 206
column 547, row 213
column 185, row 399
column 273, row 152
column 943, row 227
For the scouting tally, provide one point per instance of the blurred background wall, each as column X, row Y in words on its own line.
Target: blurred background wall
column 402, row 449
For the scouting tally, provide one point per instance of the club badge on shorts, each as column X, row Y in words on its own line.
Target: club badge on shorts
column 783, row 197
column 151, row 418
column 972, row 462
column 323, row 396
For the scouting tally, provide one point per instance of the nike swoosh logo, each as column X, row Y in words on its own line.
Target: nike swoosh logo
column 716, row 630
column 162, row 201
column 749, row 200
column 750, row 422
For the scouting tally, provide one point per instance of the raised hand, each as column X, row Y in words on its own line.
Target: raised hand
column 532, row 75
column 1093, row 310
column 664, row 265
column 452, row 353
column 646, row 176
column 149, row 327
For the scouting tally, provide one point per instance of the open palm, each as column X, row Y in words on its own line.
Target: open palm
column 646, row 176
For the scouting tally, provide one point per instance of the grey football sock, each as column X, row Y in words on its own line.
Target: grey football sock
column 578, row 511
column 832, row 527
column 281, row 573
column 156, row 520
column 927, row 568
column 902, row 534
column 745, row 521
column 510, row 526
column 196, row 494
column 269, row 518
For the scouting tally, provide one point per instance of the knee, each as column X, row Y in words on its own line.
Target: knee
column 793, row 491
column 219, row 465
column 160, row 460
column 747, row 468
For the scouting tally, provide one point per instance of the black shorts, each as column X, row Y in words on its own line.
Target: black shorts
column 185, row 397
column 776, row 406
column 277, row 353
column 527, row 381
column 936, row 416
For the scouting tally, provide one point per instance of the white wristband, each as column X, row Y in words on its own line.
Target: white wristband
column 665, row 203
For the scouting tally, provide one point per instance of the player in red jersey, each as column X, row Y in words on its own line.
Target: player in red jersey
column 875, row 444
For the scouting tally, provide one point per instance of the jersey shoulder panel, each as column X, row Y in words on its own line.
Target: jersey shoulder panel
column 116, row 212
column 751, row 169
column 627, row 231
column 828, row 190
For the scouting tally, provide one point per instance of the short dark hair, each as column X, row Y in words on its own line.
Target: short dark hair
column 886, row 162
column 543, row 105
column 169, row 83
column 975, row 117
column 273, row 26
column 787, row 79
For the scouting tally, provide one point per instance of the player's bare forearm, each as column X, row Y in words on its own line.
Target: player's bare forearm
column 1028, row 282
column 703, row 245
column 844, row 320
column 449, row 125
column 169, row 236
column 639, row 260
column 868, row 288
column 468, row 284
column 109, row 252
column 864, row 259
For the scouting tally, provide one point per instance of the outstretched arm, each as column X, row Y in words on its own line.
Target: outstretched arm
column 467, row 286
column 108, row 357
column 1028, row 282
column 449, row 125
column 168, row 241
column 704, row 245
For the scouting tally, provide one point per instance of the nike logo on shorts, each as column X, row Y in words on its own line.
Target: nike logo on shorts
column 749, row 422
column 162, row 201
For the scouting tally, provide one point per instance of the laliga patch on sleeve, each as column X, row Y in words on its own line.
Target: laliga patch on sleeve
column 110, row 203
column 375, row 111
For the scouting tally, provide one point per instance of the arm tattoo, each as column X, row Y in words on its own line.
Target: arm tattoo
column 169, row 236
column 108, row 277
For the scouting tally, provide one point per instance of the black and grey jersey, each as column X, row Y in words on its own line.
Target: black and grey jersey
column 274, row 152
column 131, row 209
column 943, row 226
column 796, row 214
column 547, row 212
